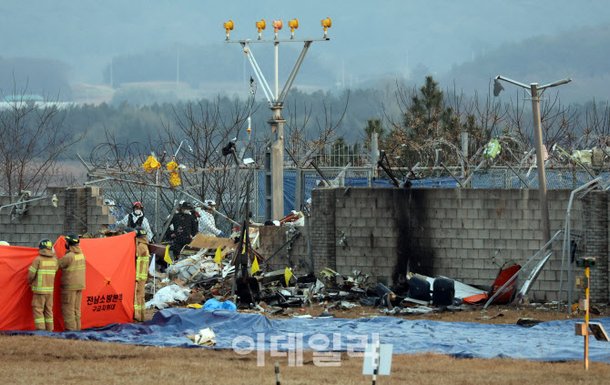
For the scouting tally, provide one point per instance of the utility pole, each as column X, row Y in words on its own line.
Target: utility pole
column 535, row 93
column 274, row 180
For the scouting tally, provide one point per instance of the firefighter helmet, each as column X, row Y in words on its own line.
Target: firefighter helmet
column 45, row 244
column 72, row 239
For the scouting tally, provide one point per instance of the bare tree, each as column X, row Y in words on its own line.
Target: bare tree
column 210, row 127
column 33, row 140
column 304, row 143
column 596, row 125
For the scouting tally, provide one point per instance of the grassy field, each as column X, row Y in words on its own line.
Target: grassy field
column 40, row 360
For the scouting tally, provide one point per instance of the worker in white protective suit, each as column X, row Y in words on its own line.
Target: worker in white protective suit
column 137, row 219
column 207, row 223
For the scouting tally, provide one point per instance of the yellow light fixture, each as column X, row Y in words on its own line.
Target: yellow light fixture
column 293, row 24
column 228, row 25
column 277, row 25
column 260, row 26
column 326, row 24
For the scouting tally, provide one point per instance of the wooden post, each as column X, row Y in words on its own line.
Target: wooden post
column 587, row 282
column 376, row 359
column 277, row 373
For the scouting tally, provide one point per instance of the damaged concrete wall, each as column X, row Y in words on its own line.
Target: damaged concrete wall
column 463, row 234
column 321, row 252
column 596, row 243
column 79, row 209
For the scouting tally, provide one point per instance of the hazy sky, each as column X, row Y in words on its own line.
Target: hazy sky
column 367, row 37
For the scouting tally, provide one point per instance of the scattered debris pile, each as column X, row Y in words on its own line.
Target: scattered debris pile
column 231, row 270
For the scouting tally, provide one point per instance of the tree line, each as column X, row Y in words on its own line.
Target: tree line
column 416, row 125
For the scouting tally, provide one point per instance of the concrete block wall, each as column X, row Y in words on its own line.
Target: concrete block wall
column 291, row 254
column 463, row 234
column 323, row 229
column 79, row 210
column 473, row 232
column 596, row 243
column 41, row 220
column 366, row 232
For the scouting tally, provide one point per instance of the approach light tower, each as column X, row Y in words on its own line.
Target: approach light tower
column 274, row 179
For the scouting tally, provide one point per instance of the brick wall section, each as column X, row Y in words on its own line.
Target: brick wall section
column 463, row 234
column 323, row 229
column 323, row 238
column 79, row 210
column 596, row 243
column 41, row 220
column 365, row 233
column 291, row 254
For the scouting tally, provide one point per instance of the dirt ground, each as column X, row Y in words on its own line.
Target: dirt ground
column 494, row 314
column 40, row 360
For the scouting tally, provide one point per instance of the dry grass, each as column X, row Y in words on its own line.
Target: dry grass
column 24, row 359
column 39, row 360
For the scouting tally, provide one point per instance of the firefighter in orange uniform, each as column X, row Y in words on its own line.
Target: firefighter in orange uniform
column 41, row 277
column 72, row 282
column 142, row 262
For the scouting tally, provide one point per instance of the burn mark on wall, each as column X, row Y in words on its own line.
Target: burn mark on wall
column 413, row 249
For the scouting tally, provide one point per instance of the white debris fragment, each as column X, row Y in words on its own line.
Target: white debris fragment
column 205, row 337
column 167, row 296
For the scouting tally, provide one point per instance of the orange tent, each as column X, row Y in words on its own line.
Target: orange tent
column 110, row 279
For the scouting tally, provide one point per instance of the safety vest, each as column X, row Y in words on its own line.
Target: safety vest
column 44, row 269
column 137, row 223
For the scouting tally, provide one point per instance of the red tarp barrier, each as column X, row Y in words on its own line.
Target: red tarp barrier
column 108, row 297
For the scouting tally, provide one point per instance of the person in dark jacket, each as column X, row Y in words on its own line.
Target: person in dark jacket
column 182, row 228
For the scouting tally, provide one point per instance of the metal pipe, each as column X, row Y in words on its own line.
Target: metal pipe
column 214, row 210
column 450, row 173
column 542, row 191
column 517, row 174
column 258, row 73
column 54, row 197
column 98, row 180
column 157, row 201
column 567, row 239
column 293, row 73
column 276, row 46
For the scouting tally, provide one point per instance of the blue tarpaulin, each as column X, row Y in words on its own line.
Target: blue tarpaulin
column 547, row 341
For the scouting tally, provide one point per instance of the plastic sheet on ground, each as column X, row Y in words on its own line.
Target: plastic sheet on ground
column 547, row 341
column 214, row 304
